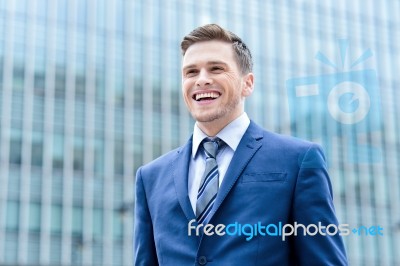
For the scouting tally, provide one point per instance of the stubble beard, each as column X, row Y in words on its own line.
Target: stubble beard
column 222, row 111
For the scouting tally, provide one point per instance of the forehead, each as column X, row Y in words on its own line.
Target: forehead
column 208, row 51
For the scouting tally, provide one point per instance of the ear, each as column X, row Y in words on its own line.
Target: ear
column 248, row 84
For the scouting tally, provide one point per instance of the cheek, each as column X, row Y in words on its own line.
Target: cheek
column 185, row 91
column 186, row 85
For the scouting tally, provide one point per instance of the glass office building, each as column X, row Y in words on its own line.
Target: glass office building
column 90, row 90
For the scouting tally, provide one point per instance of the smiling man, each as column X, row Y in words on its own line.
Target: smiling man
column 231, row 171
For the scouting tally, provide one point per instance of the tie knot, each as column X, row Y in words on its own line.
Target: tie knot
column 211, row 147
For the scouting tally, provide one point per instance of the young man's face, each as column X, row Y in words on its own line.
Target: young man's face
column 212, row 84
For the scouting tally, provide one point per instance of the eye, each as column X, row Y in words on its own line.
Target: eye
column 217, row 69
column 191, row 72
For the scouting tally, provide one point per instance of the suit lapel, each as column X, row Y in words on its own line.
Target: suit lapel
column 180, row 170
column 248, row 146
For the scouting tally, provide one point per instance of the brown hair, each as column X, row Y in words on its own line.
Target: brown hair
column 215, row 32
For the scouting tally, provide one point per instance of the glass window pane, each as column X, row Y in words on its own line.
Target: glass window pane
column 41, row 9
column 60, row 82
column 118, row 192
column 56, row 219
column 97, row 253
column 58, row 151
column 119, row 157
column 77, row 216
column 99, row 156
column 37, row 149
column 55, row 250
column 78, row 153
column 118, row 225
column 15, row 150
column 98, row 188
column 11, row 248
column 12, row 215
column 97, row 223
column 14, row 183
column 34, row 249
column 57, row 187
column 34, row 216
column 78, row 189
column 18, row 78
column 118, row 257
column 38, row 117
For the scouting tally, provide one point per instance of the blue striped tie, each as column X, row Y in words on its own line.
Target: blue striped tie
column 209, row 183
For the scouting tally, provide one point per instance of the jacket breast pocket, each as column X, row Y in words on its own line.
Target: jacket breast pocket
column 264, row 177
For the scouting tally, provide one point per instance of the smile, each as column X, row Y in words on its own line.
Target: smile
column 206, row 96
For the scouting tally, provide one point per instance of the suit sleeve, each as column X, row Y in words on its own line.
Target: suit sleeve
column 313, row 204
column 144, row 246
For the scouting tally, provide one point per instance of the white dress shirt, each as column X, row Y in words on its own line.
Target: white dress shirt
column 231, row 135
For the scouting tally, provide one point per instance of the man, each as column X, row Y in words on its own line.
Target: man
column 232, row 172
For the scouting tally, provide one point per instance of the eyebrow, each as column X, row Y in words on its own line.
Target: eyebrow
column 208, row 63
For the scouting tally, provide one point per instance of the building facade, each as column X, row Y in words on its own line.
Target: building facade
column 90, row 90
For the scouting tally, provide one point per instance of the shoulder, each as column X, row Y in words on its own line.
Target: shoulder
column 288, row 147
column 168, row 158
column 162, row 161
column 273, row 139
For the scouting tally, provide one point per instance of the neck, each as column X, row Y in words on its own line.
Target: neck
column 212, row 128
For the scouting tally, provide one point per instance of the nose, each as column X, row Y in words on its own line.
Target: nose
column 203, row 79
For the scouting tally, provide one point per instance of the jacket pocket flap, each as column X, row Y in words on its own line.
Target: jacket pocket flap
column 264, row 177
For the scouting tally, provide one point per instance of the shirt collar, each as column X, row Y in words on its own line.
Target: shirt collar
column 230, row 134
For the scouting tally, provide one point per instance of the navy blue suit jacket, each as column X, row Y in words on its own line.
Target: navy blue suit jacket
column 271, row 179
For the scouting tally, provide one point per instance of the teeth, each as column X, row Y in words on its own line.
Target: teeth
column 207, row 95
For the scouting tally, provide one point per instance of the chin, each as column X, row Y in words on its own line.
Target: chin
column 206, row 118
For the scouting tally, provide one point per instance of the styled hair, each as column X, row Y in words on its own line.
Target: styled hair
column 211, row 32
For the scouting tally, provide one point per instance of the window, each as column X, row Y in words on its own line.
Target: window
column 60, row 82
column 37, row 149
column 58, row 150
column 18, row 78
column 100, row 86
column 99, row 156
column 57, row 187
column 78, row 153
column 98, row 191
column 15, row 151
column 36, row 184
column 11, row 248
column 12, row 215
column 97, row 253
column 78, row 189
column 118, row 225
column 55, row 250
column 14, row 183
column 77, row 220
column 17, row 109
column 56, row 219
column 34, row 216
column 38, row 115
column 119, row 157
column 39, row 81
column 97, row 224
column 80, row 86
column 118, row 192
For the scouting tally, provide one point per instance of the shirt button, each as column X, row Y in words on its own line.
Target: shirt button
column 202, row 260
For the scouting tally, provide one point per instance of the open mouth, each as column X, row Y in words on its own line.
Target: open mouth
column 206, row 96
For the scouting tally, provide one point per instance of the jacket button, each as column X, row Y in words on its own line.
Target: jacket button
column 202, row 260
